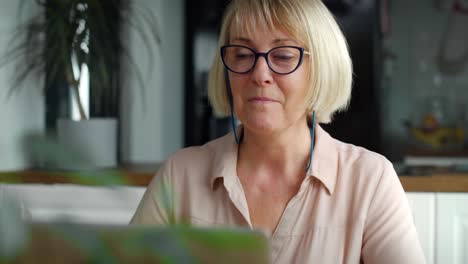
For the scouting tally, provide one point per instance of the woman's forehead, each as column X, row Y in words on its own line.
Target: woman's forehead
column 262, row 35
column 250, row 32
column 249, row 25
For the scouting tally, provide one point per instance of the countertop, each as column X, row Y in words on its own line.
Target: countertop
column 142, row 175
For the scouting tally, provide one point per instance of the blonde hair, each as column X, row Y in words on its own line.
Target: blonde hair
column 312, row 24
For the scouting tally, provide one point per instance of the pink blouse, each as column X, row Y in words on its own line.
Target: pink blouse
column 350, row 207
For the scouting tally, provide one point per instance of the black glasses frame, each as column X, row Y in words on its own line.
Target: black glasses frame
column 264, row 55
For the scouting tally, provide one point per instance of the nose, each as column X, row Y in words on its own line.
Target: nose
column 262, row 74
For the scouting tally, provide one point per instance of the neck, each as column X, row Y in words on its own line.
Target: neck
column 282, row 153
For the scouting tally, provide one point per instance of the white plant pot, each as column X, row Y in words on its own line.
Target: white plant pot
column 94, row 140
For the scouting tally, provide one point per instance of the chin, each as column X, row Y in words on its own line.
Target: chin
column 261, row 125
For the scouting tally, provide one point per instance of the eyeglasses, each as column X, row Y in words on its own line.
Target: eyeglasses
column 281, row 60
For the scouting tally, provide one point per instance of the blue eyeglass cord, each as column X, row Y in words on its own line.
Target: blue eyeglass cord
column 233, row 122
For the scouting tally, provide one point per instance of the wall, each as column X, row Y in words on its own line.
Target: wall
column 412, row 76
column 153, row 121
column 23, row 112
column 151, row 128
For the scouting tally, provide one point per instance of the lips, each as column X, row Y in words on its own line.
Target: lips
column 261, row 99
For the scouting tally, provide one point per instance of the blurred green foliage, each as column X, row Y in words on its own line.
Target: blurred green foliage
column 25, row 242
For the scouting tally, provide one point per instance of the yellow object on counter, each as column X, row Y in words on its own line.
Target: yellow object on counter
column 439, row 137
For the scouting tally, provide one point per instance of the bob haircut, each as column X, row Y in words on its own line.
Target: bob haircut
column 312, row 25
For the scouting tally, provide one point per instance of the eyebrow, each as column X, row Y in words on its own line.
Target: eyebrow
column 275, row 41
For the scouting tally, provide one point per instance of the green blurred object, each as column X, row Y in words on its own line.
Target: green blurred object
column 65, row 243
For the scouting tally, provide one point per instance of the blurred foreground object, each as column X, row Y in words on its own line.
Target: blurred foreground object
column 13, row 230
column 65, row 243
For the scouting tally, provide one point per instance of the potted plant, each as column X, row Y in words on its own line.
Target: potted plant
column 73, row 44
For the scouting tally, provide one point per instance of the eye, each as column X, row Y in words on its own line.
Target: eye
column 243, row 55
column 283, row 56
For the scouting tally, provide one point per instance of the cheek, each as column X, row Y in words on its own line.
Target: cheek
column 295, row 87
column 295, row 91
column 238, row 84
column 302, row 80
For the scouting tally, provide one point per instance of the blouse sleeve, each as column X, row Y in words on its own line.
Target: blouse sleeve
column 157, row 204
column 390, row 234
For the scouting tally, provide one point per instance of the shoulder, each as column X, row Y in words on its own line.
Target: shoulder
column 193, row 156
column 347, row 167
column 195, row 160
column 361, row 159
column 367, row 179
column 364, row 171
column 348, row 159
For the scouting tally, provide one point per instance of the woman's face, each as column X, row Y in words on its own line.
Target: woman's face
column 264, row 101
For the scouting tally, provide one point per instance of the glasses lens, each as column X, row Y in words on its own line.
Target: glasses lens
column 284, row 59
column 239, row 59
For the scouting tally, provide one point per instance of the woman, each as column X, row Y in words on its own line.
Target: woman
column 284, row 67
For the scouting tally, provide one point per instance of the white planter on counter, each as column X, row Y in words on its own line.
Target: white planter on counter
column 93, row 140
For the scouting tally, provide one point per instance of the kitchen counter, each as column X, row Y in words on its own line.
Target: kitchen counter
column 448, row 182
column 134, row 175
column 142, row 175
